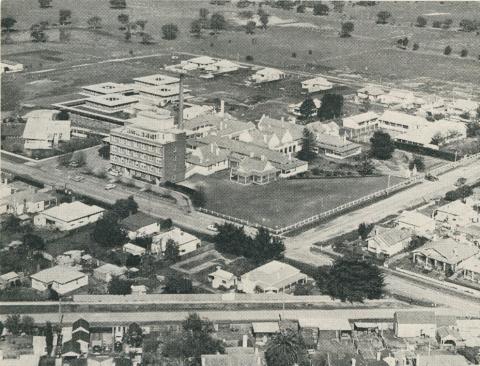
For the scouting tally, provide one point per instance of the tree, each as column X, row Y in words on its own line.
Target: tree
column 178, row 285
column 467, row 25
column 63, row 115
column 203, row 13
column 230, row 238
column 196, row 28
column 118, row 4
column 199, row 198
column 307, row 108
column 8, row 23
column 309, row 142
column 48, row 331
column 447, row 23
column 107, row 230
column 331, row 107
column 320, row 9
column 364, row 230
column 172, row 253
column 125, row 207
column 123, row 19
column 352, row 280
column 45, row 3
column 301, row 8
column 104, row 152
column 464, row 52
column 217, row 22
column 11, row 223
column 366, row 167
column 416, row 46
column 94, row 22
column 418, row 162
column 141, row 23
column 437, row 139
column 169, row 31
column 34, row 242
column 383, row 16
column 79, row 157
column 286, row 348
column 64, row 16
column 382, row 146
column 28, row 325
column 146, row 38
column 338, row 6
column 246, row 14
column 421, row 22
column 447, row 50
column 302, row 290
column 264, row 247
column 13, row 324
column 347, row 29
column 134, row 335
column 437, row 24
column 166, row 224
column 119, row 286
column 1, row 327
column 264, row 20
column 37, row 33
column 250, row 27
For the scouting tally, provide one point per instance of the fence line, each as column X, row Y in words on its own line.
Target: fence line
column 342, row 207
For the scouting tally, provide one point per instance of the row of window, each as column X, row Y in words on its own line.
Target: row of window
column 386, row 123
column 136, row 144
column 137, row 155
column 135, row 163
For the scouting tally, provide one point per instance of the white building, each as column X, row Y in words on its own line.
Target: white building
column 141, row 225
column 463, row 106
column 69, row 216
column 360, row 125
column 161, row 95
column 110, row 103
column 316, row 84
column 266, row 75
column 272, row 277
column 27, row 202
column 186, row 242
column 43, row 131
column 62, row 279
column 388, row 241
column 198, row 63
column 107, row 88
column 222, row 67
column 455, row 213
column 447, row 131
column 370, row 93
column 417, row 222
column 134, row 249
column 206, row 160
column 222, row 278
column 108, row 271
column 410, row 324
column 399, row 122
column 10, row 66
column 156, row 80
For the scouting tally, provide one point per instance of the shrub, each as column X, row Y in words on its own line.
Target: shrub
column 415, row 46
column 464, row 53
column 249, row 58
column 294, row 54
column 447, row 50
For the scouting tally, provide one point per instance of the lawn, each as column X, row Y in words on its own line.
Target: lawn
column 285, row 201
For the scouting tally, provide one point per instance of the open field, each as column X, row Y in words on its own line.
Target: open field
column 285, row 201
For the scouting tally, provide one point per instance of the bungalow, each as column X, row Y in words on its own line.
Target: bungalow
column 441, row 360
column 186, row 242
column 266, row 75
column 470, row 233
column 140, row 225
column 370, row 93
column 69, row 216
column 71, row 350
column 339, row 325
column 222, row 278
column 360, row 126
column 222, row 67
column 286, row 136
column 251, row 171
column 272, row 277
column 107, row 88
column 108, row 271
column 470, row 269
column 29, row 201
column 62, row 279
column 455, row 213
column 399, row 122
column 410, row 324
column 388, row 241
column 448, row 336
column 337, row 147
column 10, row 66
column 316, row 84
column 396, row 97
column 417, row 222
column 262, row 331
column 219, row 124
column 43, row 131
column 198, row 63
column 444, row 254
column 442, row 131
column 9, row 279
column 134, row 249
column 206, row 160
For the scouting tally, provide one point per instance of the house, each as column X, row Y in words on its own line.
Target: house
column 139, row 289
column 444, row 254
column 83, row 339
column 62, row 279
column 455, row 214
column 288, row 134
column 234, row 359
column 262, row 331
column 9, row 279
column 370, row 93
column 273, row 277
column 28, row 202
column 441, row 360
column 191, row 111
column 448, row 336
column 463, row 106
column 10, row 66
column 43, row 131
column 470, row 269
column 360, row 126
column 324, row 128
column 71, row 350
column 339, row 325
column 410, row 324
column 222, row 67
column 398, row 122
column 337, row 147
column 81, row 325
column 134, row 249
column 206, row 160
column 266, row 75
column 198, row 63
column 107, row 88
column 295, row 108
column 252, row 171
column 417, row 222
column 388, row 241
column 186, row 242
column 156, row 80
column 222, row 278
column 316, row 84
column 434, row 134
column 396, row 97
column 140, row 224
column 469, row 233
column 108, row 271
column 69, row 216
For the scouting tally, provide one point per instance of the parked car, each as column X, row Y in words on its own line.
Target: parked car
column 73, row 164
column 114, row 172
column 431, row 177
column 212, row 227
column 110, row 186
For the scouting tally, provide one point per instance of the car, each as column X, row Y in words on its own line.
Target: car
column 78, row 178
column 73, row 164
column 114, row 172
column 431, row 177
column 110, row 186
column 212, row 227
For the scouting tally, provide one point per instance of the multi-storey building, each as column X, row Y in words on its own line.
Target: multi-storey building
column 149, row 151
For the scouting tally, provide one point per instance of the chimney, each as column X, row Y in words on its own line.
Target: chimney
column 379, row 356
column 222, row 108
column 245, row 341
column 212, row 148
column 282, row 119
column 180, row 103
column 354, row 362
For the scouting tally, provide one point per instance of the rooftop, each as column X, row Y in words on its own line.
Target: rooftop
column 457, row 208
column 138, row 220
column 202, row 60
column 265, row 327
column 112, row 100
column 109, row 268
column 232, row 359
column 471, row 264
column 68, row 212
column 448, row 250
column 390, row 236
column 415, row 317
column 207, row 155
column 273, row 274
column 441, row 360
column 414, row 218
column 356, row 119
column 157, row 79
column 325, row 323
column 176, row 234
column 108, row 88
column 404, row 119
column 58, row 274
column 335, row 143
column 220, row 273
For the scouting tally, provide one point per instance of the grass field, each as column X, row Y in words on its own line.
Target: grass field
column 285, row 201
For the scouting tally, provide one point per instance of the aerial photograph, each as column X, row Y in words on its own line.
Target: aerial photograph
column 239, row 183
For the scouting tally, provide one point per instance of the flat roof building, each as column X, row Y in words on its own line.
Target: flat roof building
column 62, row 279
column 107, row 88
column 69, row 216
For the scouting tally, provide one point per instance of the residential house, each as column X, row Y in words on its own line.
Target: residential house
column 62, row 279
column 434, row 134
column 370, row 93
column 107, row 271
column 222, row 278
column 81, row 325
column 324, row 128
column 337, row 147
column 397, row 97
column 339, row 325
column 83, row 339
column 253, row 358
column 316, row 84
column 252, row 171
column 360, row 126
column 456, row 214
column 470, row 269
column 198, row 63
column 262, row 331
column 186, row 242
column 388, row 241
column 469, row 233
column 134, row 249
column 140, row 224
column 444, row 254
column 71, row 350
column 447, row 336
column 107, row 88
column 222, row 67
column 267, row 74
column 396, row 122
column 218, row 124
column 9, row 279
column 10, row 67
column 417, row 222
column 441, row 360
column 289, row 136
column 410, row 324
column 139, row 289
column 463, row 107
column 272, row 277
column 69, row 216
column 43, row 131
column 27, row 202
column 206, row 160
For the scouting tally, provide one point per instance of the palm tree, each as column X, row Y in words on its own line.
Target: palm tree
column 286, row 348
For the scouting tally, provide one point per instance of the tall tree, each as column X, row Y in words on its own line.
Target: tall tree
column 141, row 23
column 13, row 324
column 366, row 167
column 34, row 242
column 421, row 22
column 307, row 108
column 264, row 20
column 447, row 50
column 332, row 106
column 347, row 29
column 382, row 146
column 250, row 27
column 94, row 22
column 383, row 16
column 338, row 6
column 7, row 24
column 265, row 247
column 107, row 230
column 307, row 153
column 125, row 207
column 364, row 230
column 230, row 238
column 320, row 9
column 37, row 33
column 217, row 22
column 118, row 4
column 45, row 3
column 119, row 286
column 64, row 16
column 147, row 38
column 172, row 253
column 134, row 335
column 169, row 31
column 286, row 348
column 49, row 337
column 28, row 325
column 196, row 28
column 175, row 284
column 123, row 19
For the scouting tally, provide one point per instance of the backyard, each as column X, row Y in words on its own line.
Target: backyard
column 285, row 201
